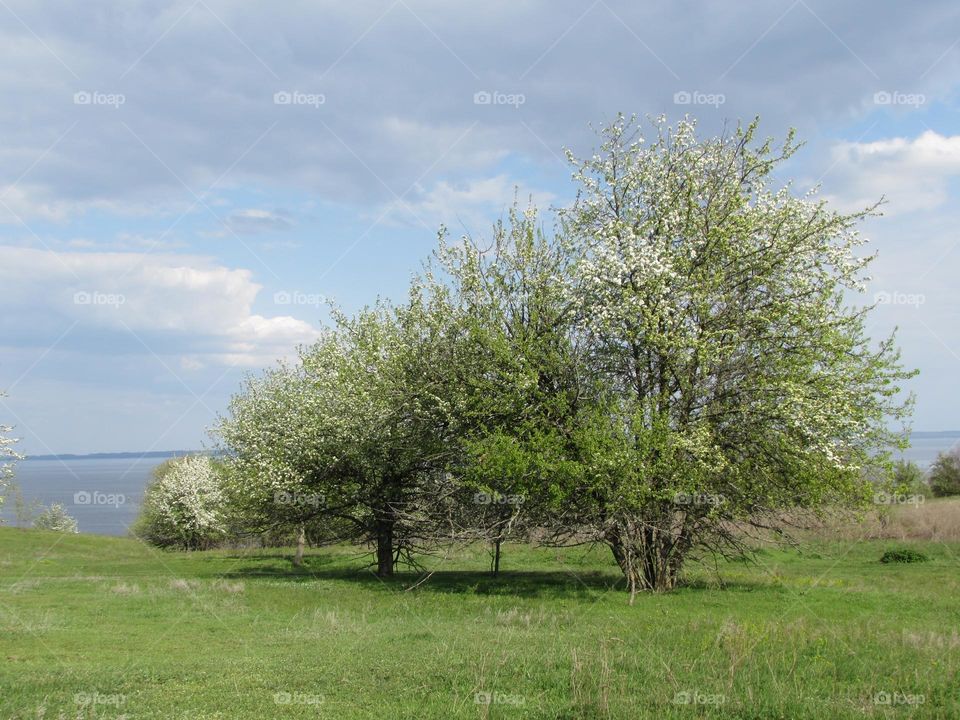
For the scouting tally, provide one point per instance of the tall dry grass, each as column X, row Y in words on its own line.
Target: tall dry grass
column 932, row 519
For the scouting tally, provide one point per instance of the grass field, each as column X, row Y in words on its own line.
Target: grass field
column 96, row 627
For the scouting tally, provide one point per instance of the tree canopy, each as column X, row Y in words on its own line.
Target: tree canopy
column 945, row 474
column 713, row 307
column 357, row 434
column 679, row 363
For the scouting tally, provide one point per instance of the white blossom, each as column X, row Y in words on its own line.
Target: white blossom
column 7, row 456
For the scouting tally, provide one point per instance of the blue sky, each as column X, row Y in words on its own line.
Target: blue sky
column 182, row 184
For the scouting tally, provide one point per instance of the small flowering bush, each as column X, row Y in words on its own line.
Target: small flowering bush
column 56, row 518
column 183, row 506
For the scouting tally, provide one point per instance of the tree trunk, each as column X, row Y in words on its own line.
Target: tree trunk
column 301, row 541
column 495, row 561
column 646, row 557
column 385, row 556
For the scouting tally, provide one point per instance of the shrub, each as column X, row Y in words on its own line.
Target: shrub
column 183, row 505
column 945, row 474
column 903, row 555
column 56, row 518
column 909, row 479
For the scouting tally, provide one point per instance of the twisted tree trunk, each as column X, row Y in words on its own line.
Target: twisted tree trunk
column 646, row 556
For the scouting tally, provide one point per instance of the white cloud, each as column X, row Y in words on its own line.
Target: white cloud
column 122, row 242
column 199, row 82
column 471, row 206
column 254, row 221
column 19, row 202
column 913, row 174
column 172, row 303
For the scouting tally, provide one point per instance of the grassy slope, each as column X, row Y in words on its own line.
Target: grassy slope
column 219, row 634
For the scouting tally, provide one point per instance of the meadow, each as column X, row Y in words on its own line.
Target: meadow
column 100, row 627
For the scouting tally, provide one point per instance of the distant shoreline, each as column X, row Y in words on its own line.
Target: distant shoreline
column 153, row 454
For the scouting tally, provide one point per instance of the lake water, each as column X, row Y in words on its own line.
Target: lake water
column 924, row 450
column 105, row 495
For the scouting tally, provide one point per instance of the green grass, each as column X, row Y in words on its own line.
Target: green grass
column 227, row 634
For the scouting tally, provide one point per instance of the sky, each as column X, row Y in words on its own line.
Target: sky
column 183, row 185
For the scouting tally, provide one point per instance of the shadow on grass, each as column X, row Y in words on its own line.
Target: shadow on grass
column 561, row 579
column 520, row 583
column 574, row 583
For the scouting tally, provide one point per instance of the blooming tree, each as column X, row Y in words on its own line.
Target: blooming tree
column 184, row 505
column 517, row 377
column 7, row 456
column 284, row 439
column 740, row 381
column 677, row 366
column 353, row 438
